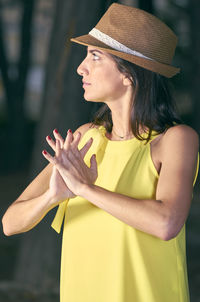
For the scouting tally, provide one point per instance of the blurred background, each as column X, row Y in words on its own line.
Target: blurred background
column 40, row 91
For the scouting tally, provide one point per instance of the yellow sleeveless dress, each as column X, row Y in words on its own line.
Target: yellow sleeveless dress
column 106, row 260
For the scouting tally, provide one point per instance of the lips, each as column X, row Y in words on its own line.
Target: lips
column 85, row 83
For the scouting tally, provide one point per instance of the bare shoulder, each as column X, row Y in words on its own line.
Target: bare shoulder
column 181, row 134
column 180, row 142
column 84, row 128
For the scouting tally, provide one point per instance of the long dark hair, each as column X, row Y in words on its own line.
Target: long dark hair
column 153, row 107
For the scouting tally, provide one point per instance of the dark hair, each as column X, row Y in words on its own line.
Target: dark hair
column 153, row 107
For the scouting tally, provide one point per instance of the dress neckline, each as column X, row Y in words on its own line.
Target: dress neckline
column 102, row 129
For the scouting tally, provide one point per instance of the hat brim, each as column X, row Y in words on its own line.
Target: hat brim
column 163, row 69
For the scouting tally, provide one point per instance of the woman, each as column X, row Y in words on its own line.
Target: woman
column 123, row 183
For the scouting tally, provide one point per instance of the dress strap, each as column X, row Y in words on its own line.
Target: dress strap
column 197, row 170
column 154, row 134
column 59, row 217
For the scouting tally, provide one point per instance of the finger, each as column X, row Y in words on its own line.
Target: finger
column 58, row 148
column 93, row 163
column 68, row 140
column 50, row 158
column 76, row 139
column 53, row 160
column 58, row 136
column 86, row 147
column 51, row 142
column 62, row 155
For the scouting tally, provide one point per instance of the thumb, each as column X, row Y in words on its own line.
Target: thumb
column 93, row 163
column 54, row 170
column 55, row 173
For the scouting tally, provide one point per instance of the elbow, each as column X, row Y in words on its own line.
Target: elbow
column 6, row 233
column 168, row 235
column 6, row 229
column 169, row 230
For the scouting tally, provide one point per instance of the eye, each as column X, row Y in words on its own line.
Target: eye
column 95, row 56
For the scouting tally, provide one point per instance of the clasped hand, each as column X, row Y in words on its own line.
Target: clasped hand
column 68, row 161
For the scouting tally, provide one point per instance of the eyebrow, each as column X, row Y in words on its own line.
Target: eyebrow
column 96, row 50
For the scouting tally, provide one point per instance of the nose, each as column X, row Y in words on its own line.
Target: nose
column 82, row 68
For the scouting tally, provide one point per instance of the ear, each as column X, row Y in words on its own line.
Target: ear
column 127, row 81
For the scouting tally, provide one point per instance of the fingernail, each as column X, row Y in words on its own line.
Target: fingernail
column 49, row 137
column 44, row 151
column 56, row 131
column 70, row 130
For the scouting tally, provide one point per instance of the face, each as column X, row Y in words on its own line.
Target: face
column 102, row 81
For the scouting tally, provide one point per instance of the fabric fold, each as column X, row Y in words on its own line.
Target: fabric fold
column 59, row 217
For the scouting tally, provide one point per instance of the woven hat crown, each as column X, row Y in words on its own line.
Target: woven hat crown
column 136, row 36
column 140, row 31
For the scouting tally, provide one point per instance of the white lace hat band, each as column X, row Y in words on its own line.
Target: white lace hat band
column 97, row 34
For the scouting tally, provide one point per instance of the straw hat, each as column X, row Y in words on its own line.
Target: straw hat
column 136, row 36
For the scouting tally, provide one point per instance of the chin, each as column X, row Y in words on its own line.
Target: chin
column 92, row 99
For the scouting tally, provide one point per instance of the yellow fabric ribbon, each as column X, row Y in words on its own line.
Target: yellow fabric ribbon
column 59, row 217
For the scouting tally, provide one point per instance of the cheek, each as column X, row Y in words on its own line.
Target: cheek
column 111, row 78
column 114, row 83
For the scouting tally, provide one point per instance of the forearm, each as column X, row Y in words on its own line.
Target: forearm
column 149, row 216
column 23, row 215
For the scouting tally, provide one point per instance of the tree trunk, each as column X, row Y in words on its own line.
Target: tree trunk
column 194, row 10
column 63, row 108
column 14, row 89
column 146, row 5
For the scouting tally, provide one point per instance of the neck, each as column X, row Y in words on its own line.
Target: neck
column 121, row 124
column 121, row 108
column 121, row 119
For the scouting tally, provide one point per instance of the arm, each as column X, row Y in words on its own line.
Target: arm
column 41, row 195
column 30, row 207
column 164, row 216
